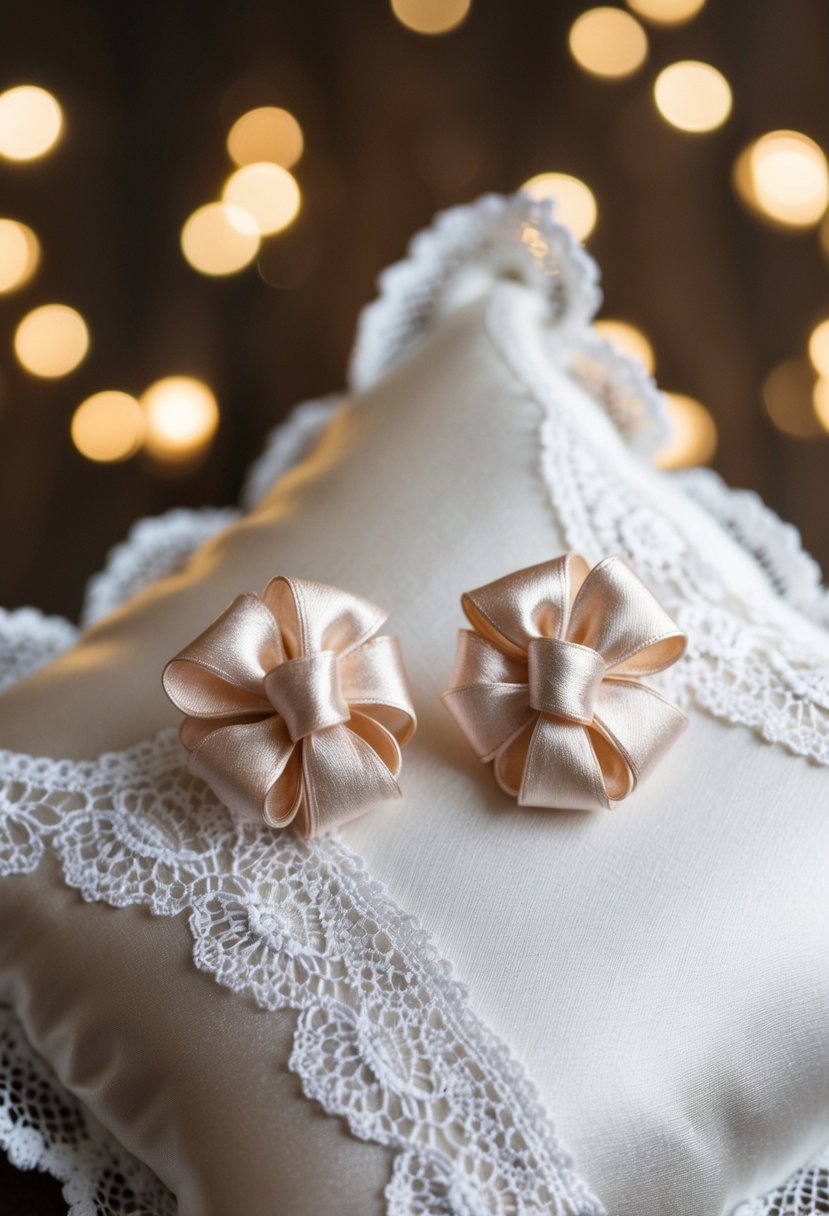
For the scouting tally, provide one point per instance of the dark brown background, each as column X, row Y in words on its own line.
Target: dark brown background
column 396, row 125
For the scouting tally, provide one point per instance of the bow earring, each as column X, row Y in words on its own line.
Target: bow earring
column 295, row 710
column 547, row 682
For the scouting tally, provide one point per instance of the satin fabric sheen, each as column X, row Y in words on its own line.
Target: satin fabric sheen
column 547, row 686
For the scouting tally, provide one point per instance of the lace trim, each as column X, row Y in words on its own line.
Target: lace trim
column 804, row 1193
column 776, row 547
column 740, row 666
column 624, row 389
column 461, row 256
column 457, row 260
column 287, row 444
column 154, row 547
column 385, row 1038
column 29, row 640
column 43, row 1127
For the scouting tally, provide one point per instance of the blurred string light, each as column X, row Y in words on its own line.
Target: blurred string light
column 267, row 133
column 31, row 122
column 51, row 340
column 267, row 192
column 181, row 416
column 789, row 398
column 692, row 96
column 108, row 426
column 431, row 16
column 693, row 437
column 608, row 42
column 667, row 12
column 19, row 254
column 220, row 239
column 783, row 177
column 819, row 348
column 575, row 204
column 629, row 339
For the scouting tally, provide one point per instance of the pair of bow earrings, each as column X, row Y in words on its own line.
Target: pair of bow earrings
column 297, row 708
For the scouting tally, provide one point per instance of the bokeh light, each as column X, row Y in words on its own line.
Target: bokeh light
column 431, row 16
column 783, row 176
column 181, row 416
column 51, row 340
column 693, row 437
column 108, row 427
column 19, row 254
column 267, row 133
column 692, row 96
column 575, row 203
column 630, row 339
column 220, row 239
column 788, row 395
column 667, row 12
column 31, row 122
column 819, row 348
column 608, row 42
column 267, row 192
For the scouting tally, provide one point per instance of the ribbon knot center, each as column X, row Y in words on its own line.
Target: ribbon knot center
column 306, row 693
column 564, row 678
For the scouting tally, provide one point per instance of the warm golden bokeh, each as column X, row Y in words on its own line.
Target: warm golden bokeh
column 267, row 133
column 693, row 438
column 692, row 96
column 788, row 395
column 181, row 416
column 108, row 427
column 630, row 339
column 819, row 348
column 267, row 192
column 667, row 12
column 19, row 254
column 31, row 122
column 220, row 239
column 608, row 42
column 51, row 341
column 431, row 16
column 783, row 176
column 575, row 204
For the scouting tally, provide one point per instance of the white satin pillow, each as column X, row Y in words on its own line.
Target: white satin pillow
column 661, row 971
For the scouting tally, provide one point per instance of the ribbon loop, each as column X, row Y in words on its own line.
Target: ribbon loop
column 295, row 711
column 546, row 684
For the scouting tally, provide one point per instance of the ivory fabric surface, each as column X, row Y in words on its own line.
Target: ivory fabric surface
column 189, row 1076
column 661, row 970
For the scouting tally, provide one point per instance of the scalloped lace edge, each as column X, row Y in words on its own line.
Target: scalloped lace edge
column 804, row 1193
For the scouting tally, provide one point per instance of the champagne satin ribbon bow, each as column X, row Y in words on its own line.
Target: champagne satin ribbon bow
column 546, row 683
column 295, row 710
